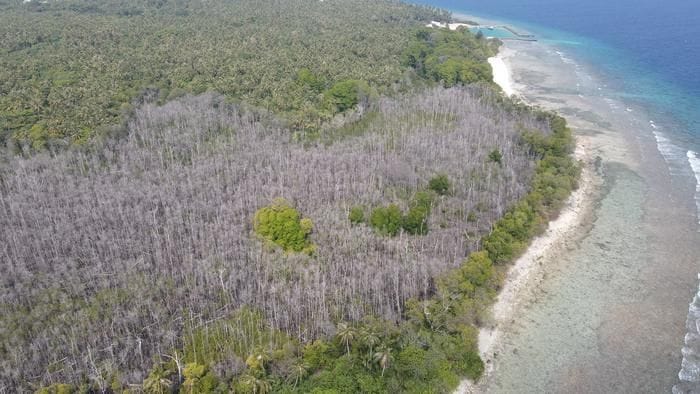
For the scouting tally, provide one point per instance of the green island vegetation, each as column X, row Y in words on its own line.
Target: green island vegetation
column 253, row 197
column 280, row 224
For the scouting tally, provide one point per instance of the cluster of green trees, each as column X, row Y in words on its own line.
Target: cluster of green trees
column 427, row 352
column 440, row 184
column 371, row 356
column 390, row 220
column 450, row 57
column 282, row 225
column 555, row 177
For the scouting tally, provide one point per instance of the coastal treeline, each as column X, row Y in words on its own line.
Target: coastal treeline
column 292, row 196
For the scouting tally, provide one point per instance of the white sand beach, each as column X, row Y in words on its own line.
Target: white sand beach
column 501, row 73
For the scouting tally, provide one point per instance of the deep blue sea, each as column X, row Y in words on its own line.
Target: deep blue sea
column 646, row 51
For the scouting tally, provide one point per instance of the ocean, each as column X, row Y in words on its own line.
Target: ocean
column 612, row 314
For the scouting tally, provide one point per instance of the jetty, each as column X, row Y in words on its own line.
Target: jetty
column 516, row 35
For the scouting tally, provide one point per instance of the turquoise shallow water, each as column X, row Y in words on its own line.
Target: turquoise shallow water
column 496, row 32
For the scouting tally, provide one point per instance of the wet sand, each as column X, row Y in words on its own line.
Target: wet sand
column 606, row 310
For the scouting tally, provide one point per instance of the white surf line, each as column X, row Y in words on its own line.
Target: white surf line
column 689, row 375
column 694, row 160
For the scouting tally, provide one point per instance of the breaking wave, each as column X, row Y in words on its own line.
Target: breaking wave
column 673, row 154
column 694, row 160
column 690, row 366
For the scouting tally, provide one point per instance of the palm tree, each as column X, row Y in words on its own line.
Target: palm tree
column 383, row 357
column 258, row 359
column 258, row 385
column 369, row 338
column 157, row 382
column 298, row 372
column 346, row 334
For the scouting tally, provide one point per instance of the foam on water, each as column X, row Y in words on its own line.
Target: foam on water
column 689, row 374
column 694, row 160
column 565, row 58
column 672, row 153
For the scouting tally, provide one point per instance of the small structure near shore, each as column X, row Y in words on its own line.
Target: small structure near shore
column 501, row 32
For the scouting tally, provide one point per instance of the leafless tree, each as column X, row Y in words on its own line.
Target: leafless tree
column 109, row 253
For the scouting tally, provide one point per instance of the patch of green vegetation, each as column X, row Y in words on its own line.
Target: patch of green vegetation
column 357, row 215
column 390, row 220
column 344, row 95
column 435, row 120
column 369, row 122
column 495, row 156
column 57, row 388
column 281, row 224
column 449, row 57
column 555, row 177
column 440, row 184
column 387, row 220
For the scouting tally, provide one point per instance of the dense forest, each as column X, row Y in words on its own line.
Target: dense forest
column 251, row 197
column 70, row 68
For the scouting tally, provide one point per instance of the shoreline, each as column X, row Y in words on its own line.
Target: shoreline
column 501, row 73
column 529, row 267
column 524, row 275
column 600, row 300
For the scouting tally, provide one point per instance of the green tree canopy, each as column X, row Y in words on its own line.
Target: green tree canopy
column 281, row 224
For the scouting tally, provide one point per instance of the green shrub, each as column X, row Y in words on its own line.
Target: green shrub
column 317, row 355
column 410, row 362
column 280, row 223
column 197, row 379
column 160, row 379
column 440, row 184
column 308, row 79
column 423, row 199
column 473, row 365
column 416, row 220
column 357, row 215
column 58, row 388
column 237, row 336
column 495, row 156
column 476, row 272
column 342, row 96
column 387, row 220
